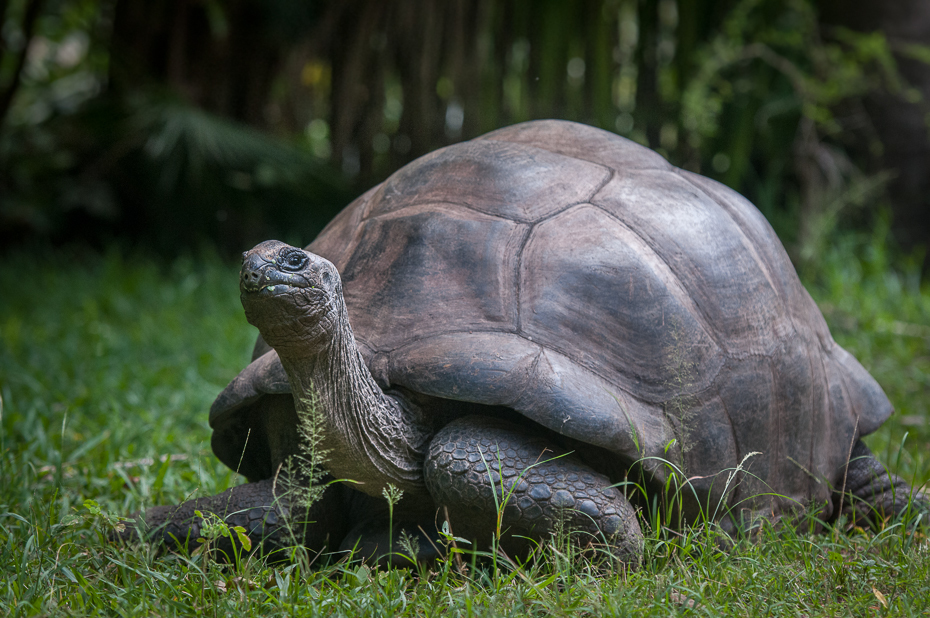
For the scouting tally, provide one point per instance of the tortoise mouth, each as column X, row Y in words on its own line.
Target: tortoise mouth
column 273, row 303
column 267, row 281
column 271, row 289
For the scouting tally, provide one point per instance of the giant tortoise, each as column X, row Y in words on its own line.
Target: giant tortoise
column 518, row 324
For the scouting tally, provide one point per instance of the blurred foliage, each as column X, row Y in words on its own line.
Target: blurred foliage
column 156, row 170
column 83, row 160
column 132, row 123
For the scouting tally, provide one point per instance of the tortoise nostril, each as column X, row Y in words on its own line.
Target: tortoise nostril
column 251, row 278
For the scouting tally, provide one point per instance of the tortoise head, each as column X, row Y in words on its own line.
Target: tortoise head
column 292, row 296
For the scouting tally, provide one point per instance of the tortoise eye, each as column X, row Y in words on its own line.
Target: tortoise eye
column 294, row 261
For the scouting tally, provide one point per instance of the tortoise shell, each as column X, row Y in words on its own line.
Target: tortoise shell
column 581, row 280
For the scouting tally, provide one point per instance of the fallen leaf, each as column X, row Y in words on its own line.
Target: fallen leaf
column 881, row 598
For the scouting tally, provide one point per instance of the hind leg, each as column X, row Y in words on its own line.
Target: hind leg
column 492, row 476
column 268, row 518
column 872, row 494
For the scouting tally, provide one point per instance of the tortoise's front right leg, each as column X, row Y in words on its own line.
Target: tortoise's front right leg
column 493, row 476
column 261, row 508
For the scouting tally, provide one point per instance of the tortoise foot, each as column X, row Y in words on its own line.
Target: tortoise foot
column 495, row 478
column 873, row 494
column 260, row 508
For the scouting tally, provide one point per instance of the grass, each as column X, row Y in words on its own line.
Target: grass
column 108, row 365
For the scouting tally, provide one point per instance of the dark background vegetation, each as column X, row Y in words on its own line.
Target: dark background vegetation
column 174, row 123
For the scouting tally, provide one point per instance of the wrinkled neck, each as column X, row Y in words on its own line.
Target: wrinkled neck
column 371, row 438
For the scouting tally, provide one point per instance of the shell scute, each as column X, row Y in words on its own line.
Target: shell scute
column 712, row 259
column 595, row 291
column 431, row 269
column 497, row 178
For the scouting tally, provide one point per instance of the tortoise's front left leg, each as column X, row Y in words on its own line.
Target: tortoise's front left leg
column 261, row 508
column 481, row 468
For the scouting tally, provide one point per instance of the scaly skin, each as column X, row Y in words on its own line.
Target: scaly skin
column 270, row 521
column 476, row 464
column 874, row 495
column 295, row 300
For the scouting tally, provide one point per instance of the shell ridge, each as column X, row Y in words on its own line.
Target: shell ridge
column 611, row 174
column 560, row 211
column 413, row 204
column 518, row 279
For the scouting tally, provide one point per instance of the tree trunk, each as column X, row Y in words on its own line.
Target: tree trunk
column 222, row 61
